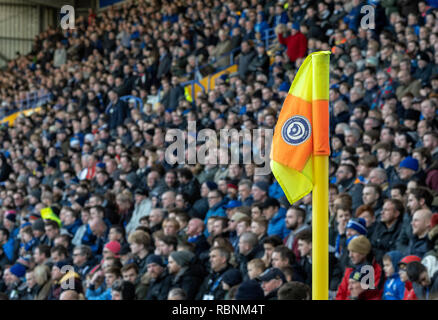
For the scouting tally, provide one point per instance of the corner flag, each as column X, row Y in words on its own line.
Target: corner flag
column 302, row 130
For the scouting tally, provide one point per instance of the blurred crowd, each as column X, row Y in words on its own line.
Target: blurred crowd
column 91, row 209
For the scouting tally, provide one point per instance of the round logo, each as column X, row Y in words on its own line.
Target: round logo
column 296, row 130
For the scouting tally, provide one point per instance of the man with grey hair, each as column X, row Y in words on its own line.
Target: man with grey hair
column 177, row 294
column 244, row 190
column 83, row 260
column 352, row 137
column 249, row 249
column 356, row 97
column 380, row 177
column 156, row 218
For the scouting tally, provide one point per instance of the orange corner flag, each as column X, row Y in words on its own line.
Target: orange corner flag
column 302, row 129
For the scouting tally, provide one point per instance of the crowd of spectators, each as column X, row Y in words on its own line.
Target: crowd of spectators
column 91, row 209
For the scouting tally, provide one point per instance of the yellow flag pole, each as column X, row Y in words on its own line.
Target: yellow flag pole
column 320, row 217
column 320, row 214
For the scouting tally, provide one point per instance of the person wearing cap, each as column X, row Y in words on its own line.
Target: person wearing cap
column 184, row 273
column 355, row 286
column 260, row 191
column 271, row 281
column 276, row 216
column 250, row 290
column 15, row 287
column 231, row 207
column 360, row 253
column 409, row 293
column 407, row 169
column 230, row 279
column 159, row 284
column 424, row 68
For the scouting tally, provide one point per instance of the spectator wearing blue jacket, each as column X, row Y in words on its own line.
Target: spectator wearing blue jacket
column 280, row 16
column 276, row 216
column 216, row 202
column 353, row 18
column 261, row 24
column 394, row 288
column 112, row 274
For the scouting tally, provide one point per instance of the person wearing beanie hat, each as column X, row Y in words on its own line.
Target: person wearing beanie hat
column 360, row 257
column 250, row 290
column 18, row 270
column 211, row 185
column 111, row 249
column 408, row 167
column 355, row 284
column 360, row 246
column 356, row 226
column 260, row 191
column 156, row 259
column 230, row 279
column 15, row 287
column 409, row 293
column 159, row 284
column 184, row 274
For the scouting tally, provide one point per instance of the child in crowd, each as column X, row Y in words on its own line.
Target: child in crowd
column 394, row 288
column 409, row 293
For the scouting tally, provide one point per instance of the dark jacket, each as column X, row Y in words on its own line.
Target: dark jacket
column 429, row 293
column 5, row 168
column 419, row 247
column 211, row 286
column 201, row 244
column 192, row 189
column 159, row 288
column 199, row 209
column 188, row 279
column 244, row 62
column 117, row 113
column 259, row 63
column 384, row 239
column 256, row 252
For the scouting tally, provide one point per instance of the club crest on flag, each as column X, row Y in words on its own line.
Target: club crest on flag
column 296, row 130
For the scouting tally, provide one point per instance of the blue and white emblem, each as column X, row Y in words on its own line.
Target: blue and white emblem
column 296, row 130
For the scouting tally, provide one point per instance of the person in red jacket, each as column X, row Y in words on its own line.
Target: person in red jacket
column 362, row 259
column 296, row 43
column 402, row 266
